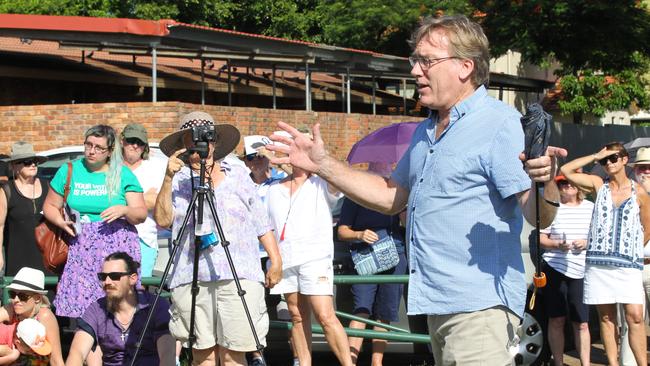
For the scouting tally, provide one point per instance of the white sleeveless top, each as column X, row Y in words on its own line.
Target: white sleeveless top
column 616, row 234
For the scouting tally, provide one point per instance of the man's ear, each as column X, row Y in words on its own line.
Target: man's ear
column 133, row 279
column 466, row 68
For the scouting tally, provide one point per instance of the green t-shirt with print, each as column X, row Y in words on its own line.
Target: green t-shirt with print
column 88, row 193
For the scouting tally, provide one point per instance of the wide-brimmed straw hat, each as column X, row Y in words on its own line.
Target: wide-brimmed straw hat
column 30, row 280
column 227, row 136
column 642, row 156
column 22, row 150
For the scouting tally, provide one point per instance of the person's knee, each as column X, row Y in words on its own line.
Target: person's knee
column 230, row 357
column 634, row 317
column 557, row 322
column 582, row 327
column 205, row 356
column 326, row 318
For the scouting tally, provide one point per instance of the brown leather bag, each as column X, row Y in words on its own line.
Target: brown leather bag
column 51, row 239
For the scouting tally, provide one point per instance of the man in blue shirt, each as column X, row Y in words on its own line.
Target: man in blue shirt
column 466, row 189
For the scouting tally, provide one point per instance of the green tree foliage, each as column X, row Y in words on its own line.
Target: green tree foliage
column 608, row 36
column 378, row 25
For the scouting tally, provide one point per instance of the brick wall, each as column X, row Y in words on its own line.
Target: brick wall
column 52, row 126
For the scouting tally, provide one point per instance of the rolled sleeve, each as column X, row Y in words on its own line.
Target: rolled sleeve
column 505, row 169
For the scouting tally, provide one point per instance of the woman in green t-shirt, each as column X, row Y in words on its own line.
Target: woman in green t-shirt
column 105, row 203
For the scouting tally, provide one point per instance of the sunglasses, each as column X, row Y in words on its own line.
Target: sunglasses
column 563, row 183
column 252, row 157
column 22, row 296
column 612, row 159
column 134, row 141
column 114, row 276
column 29, row 162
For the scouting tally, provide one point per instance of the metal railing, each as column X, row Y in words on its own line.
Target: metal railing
column 392, row 333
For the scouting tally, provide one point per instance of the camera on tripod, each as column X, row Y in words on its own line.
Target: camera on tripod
column 201, row 136
column 205, row 133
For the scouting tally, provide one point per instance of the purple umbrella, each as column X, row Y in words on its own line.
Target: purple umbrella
column 385, row 145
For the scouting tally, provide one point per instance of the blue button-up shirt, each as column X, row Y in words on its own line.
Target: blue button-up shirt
column 464, row 220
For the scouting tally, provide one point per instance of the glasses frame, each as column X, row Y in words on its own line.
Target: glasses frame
column 426, row 63
column 134, row 141
column 114, row 276
column 612, row 159
column 99, row 149
column 22, row 296
column 642, row 167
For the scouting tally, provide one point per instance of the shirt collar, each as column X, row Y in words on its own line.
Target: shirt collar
column 468, row 104
column 143, row 300
column 463, row 107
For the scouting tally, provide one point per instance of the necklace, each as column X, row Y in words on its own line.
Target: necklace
column 125, row 326
column 291, row 202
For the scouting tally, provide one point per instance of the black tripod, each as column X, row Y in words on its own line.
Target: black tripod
column 199, row 194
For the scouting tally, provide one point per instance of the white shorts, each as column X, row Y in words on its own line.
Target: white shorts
column 312, row 278
column 612, row 285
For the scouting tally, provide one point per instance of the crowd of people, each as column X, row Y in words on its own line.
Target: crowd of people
column 453, row 207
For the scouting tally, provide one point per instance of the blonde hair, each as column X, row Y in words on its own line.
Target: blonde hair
column 466, row 41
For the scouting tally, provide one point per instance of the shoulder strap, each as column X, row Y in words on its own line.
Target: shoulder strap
column 66, row 188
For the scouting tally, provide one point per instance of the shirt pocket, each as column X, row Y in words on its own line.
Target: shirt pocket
column 453, row 172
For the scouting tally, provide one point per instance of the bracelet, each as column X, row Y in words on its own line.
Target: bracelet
column 552, row 203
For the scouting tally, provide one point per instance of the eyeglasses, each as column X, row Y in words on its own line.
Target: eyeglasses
column 22, row 296
column 252, row 157
column 134, row 141
column 114, row 276
column 29, row 162
column 425, row 62
column 612, row 159
column 100, row 149
column 563, row 184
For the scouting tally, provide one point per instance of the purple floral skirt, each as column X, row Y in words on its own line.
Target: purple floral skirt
column 79, row 286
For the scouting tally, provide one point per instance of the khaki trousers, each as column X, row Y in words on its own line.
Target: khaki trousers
column 478, row 338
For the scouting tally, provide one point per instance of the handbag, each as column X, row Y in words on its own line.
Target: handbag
column 51, row 240
column 380, row 256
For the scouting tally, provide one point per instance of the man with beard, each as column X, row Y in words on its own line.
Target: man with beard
column 115, row 322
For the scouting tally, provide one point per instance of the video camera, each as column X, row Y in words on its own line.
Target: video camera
column 201, row 136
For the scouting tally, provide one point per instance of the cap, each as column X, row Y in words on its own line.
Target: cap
column 29, row 331
column 135, row 130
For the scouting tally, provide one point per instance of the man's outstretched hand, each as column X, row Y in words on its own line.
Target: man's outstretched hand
column 301, row 150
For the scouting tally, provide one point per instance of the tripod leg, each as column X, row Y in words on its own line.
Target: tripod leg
column 176, row 246
column 226, row 250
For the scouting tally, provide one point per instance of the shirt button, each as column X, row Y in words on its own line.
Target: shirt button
column 430, row 151
column 412, row 271
column 421, row 180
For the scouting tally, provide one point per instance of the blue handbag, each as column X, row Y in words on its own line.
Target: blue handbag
column 378, row 257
